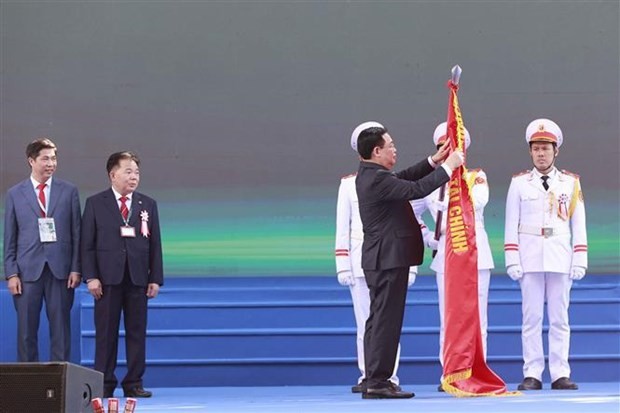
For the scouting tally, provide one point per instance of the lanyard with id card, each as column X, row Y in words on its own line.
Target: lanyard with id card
column 127, row 231
column 47, row 230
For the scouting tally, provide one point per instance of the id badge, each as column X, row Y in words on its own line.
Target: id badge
column 47, row 230
column 128, row 232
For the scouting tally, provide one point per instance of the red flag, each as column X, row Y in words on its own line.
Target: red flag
column 465, row 372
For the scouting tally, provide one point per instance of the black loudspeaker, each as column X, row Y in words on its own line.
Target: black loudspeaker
column 48, row 387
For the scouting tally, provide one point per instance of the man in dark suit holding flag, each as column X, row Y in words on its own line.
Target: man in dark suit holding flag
column 392, row 243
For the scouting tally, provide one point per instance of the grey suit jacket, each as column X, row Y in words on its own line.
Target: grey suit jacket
column 392, row 236
column 24, row 253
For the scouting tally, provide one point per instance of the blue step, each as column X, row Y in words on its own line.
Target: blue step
column 300, row 342
column 300, row 330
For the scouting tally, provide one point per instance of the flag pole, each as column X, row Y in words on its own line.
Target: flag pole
column 454, row 80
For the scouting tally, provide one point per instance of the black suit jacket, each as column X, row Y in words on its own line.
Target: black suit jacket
column 104, row 251
column 392, row 236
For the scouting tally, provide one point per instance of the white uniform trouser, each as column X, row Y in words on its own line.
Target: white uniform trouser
column 536, row 287
column 361, row 309
column 484, row 278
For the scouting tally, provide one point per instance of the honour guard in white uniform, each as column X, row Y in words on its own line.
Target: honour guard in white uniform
column 479, row 187
column 546, row 249
column 349, row 237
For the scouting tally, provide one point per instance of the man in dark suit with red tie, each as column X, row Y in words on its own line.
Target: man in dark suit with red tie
column 122, row 264
column 392, row 244
column 41, row 252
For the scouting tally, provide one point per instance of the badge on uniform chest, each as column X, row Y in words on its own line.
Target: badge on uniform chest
column 127, row 231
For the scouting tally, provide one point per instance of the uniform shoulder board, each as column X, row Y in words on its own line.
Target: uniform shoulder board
column 521, row 173
column 475, row 170
column 353, row 175
column 569, row 173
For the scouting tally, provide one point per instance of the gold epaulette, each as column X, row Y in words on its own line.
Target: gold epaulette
column 349, row 176
column 569, row 173
column 521, row 173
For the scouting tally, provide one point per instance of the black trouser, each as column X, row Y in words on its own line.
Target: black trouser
column 388, row 293
column 132, row 301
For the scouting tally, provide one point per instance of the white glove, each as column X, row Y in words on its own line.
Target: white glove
column 515, row 272
column 430, row 241
column 577, row 273
column 413, row 271
column 346, row 278
column 441, row 205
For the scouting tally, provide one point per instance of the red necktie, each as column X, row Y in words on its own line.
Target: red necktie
column 124, row 209
column 41, row 187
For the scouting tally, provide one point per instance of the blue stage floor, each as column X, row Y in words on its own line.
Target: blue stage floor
column 590, row 398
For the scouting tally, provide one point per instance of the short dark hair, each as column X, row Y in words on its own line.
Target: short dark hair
column 115, row 159
column 36, row 146
column 369, row 139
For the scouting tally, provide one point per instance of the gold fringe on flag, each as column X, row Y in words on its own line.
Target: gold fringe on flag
column 446, row 384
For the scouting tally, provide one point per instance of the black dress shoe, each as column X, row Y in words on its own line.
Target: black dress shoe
column 395, row 386
column 386, row 393
column 359, row 387
column 564, row 383
column 137, row 391
column 440, row 388
column 530, row 383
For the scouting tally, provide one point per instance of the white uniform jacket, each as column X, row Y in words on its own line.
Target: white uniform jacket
column 539, row 223
column 480, row 196
column 349, row 234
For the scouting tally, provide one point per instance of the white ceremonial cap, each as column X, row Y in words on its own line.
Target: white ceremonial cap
column 440, row 135
column 544, row 130
column 361, row 128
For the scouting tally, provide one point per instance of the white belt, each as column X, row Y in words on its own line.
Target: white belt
column 543, row 231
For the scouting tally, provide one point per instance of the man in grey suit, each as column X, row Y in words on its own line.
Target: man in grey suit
column 392, row 244
column 41, row 252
